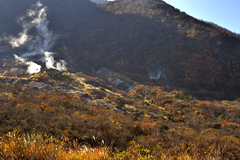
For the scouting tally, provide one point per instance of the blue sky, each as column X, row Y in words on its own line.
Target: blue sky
column 225, row 13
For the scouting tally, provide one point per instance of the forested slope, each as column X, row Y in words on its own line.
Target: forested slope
column 141, row 39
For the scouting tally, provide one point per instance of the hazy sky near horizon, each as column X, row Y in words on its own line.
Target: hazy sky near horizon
column 225, row 13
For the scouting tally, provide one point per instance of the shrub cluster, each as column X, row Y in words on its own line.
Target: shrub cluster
column 164, row 125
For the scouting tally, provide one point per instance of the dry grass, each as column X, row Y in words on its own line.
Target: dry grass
column 38, row 146
column 163, row 125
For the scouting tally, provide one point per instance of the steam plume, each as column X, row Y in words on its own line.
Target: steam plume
column 38, row 46
column 32, row 67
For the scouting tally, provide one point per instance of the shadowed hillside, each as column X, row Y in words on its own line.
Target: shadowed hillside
column 181, row 48
column 141, row 39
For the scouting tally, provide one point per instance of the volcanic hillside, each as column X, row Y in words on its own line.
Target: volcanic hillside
column 139, row 38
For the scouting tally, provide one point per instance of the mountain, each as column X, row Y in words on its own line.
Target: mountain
column 177, row 46
column 140, row 39
column 149, row 57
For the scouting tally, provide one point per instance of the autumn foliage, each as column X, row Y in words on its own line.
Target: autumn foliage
column 145, row 123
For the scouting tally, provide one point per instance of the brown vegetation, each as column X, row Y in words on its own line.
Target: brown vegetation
column 36, row 123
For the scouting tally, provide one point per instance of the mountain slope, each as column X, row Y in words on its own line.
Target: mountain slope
column 188, row 49
column 153, row 39
column 62, row 115
column 142, row 39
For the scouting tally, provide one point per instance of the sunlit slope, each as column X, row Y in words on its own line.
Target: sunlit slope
column 56, row 115
column 144, row 37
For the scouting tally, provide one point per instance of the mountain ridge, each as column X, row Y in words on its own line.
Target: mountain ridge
column 207, row 32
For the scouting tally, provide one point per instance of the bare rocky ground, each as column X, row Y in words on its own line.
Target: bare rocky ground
column 76, row 83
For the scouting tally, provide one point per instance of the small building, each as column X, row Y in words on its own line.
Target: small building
column 44, row 69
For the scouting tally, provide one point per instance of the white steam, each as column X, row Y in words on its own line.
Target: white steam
column 32, row 67
column 39, row 45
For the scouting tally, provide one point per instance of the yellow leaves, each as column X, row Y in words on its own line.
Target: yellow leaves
column 161, row 108
column 65, row 73
column 130, row 107
column 76, row 113
column 15, row 99
column 19, row 105
column 85, row 153
column 179, row 101
column 39, row 146
column 146, row 116
column 167, row 105
column 24, row 88
column 165, row 117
